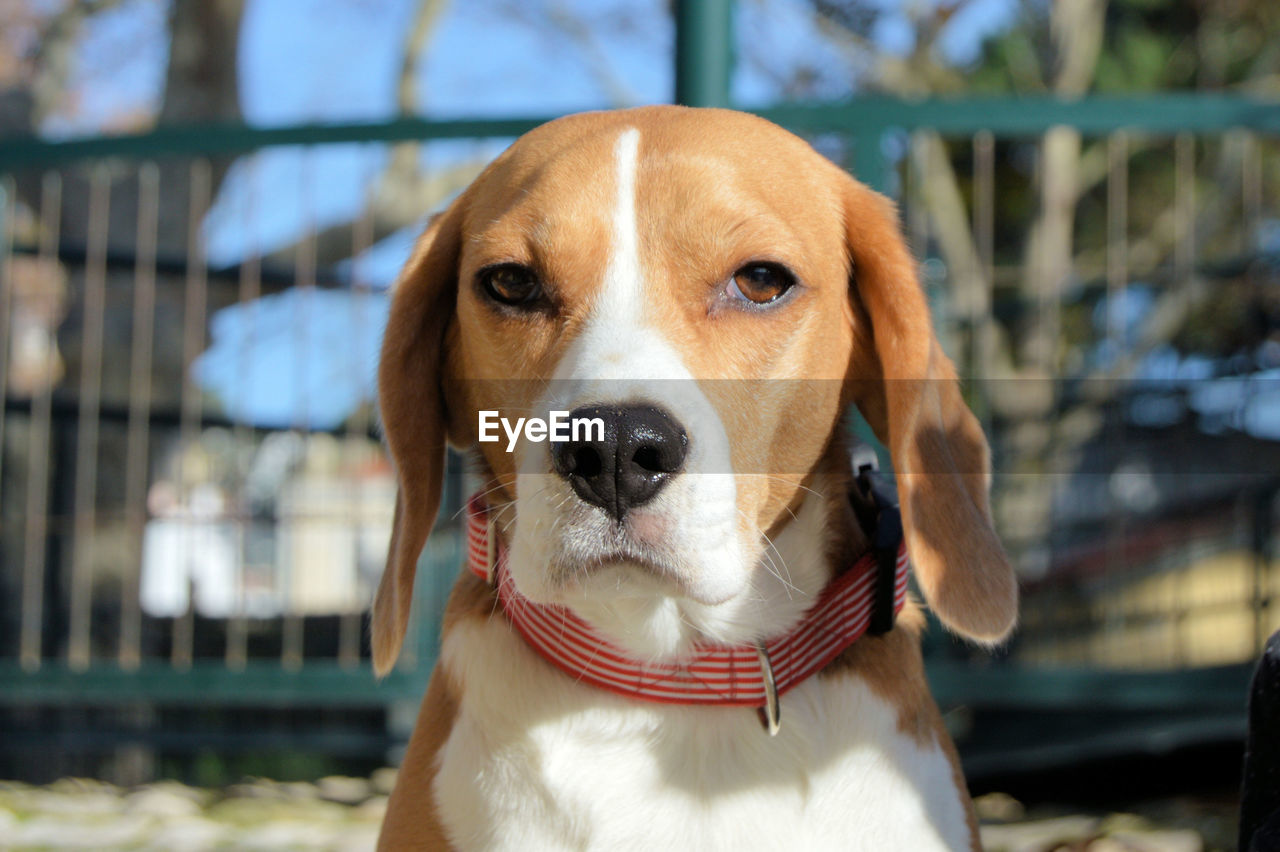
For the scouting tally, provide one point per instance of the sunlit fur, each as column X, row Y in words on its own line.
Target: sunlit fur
column 635, row 222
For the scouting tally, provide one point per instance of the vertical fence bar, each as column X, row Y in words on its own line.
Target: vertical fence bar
column 982, row 343
column 137, row 446
column 1250, row 217
column 984, row 207
column 704, row 52
column 1262, row 524
column 37, row 511
column 1184, row 248
column 357, row 426
column 1117, row 260
column 1264, row 537
column 8, row 211
column 1117, row 232
column 86, row 478
column 1250, row 193
column 1051, row 273
column 1036, row 266
column 1184, row 254
column 189, row 416
column 236, row 655
column 291, row 653
column 914, row 193
column 917, row 177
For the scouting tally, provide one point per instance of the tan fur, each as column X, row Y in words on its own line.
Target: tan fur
column 715, row 189
column 412, row 820
column 414, row 420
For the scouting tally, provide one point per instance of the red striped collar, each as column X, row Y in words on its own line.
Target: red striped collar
column 715, row 674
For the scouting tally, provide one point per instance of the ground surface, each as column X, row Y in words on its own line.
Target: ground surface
column 344, row 814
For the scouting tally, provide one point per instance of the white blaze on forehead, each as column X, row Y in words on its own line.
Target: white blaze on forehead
column 617, row 346
column 622, row 278
column 619, row 349
column 620, row 355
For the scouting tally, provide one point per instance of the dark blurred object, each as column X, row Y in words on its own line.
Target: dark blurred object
column 1260, row 792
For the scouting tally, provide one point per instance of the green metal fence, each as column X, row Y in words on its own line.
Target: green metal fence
column 115, row 309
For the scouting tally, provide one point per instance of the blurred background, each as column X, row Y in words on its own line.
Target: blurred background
column 202, row 205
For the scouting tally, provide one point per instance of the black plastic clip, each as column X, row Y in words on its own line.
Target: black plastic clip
column 881, row 522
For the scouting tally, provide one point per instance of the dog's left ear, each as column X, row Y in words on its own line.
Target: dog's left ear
column 414, row 418
column 906, row 388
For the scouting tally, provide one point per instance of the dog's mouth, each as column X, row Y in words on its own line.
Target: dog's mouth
column 627, row 558
column 624, row 572
column 577, row 552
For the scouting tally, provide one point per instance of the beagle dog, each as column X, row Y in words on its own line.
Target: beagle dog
column 708, row 296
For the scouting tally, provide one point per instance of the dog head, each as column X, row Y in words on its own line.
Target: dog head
column 706, row 295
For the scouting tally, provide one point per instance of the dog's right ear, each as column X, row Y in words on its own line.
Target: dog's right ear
column 414, row 417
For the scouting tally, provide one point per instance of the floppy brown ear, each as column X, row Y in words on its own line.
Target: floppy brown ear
column 906, row 387
column 414, row 418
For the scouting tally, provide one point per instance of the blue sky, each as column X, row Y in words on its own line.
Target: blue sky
column 338, row 60
column 317, row 60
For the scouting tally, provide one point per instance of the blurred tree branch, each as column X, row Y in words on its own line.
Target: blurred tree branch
column 561, row 20
column 200, row 85
column 1070, row 48
column 404, row 192
column 54, row 48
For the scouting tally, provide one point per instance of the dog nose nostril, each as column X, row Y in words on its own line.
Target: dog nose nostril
column 648, row 458
column 585, row 461
column 659, row 458
column 628, row 462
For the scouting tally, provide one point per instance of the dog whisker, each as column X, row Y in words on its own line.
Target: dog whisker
column 767, row 560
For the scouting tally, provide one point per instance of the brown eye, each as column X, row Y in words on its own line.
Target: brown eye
column 761, row 283
column 510, row 284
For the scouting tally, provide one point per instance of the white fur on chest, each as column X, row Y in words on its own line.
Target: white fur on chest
column 536, row 762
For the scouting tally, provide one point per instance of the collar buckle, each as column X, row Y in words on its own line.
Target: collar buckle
column 771, row 712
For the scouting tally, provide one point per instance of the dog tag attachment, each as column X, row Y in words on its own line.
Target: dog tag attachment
column 771, row 712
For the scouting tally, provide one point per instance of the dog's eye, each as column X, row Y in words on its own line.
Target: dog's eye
column 761, row 283
column 510, row 284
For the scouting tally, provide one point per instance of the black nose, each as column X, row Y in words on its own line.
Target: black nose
column 625, row 463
